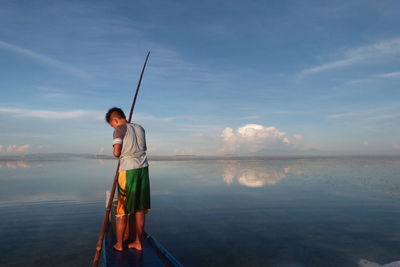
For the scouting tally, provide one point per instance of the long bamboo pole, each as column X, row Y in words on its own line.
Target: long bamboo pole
column 114, row 186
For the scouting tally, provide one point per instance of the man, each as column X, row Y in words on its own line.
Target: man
column 129, row 145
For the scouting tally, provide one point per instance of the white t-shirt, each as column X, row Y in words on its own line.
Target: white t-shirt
column 133, row 140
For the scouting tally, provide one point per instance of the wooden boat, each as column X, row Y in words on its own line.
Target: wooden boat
column 152, row 255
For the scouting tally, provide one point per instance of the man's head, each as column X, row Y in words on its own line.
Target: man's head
column 115, row 117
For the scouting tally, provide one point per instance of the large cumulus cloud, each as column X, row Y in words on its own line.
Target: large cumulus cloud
column 252, row 138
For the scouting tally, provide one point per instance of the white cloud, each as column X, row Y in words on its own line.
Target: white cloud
column 378, row 51
column 252, row 138
column 396, row 146
column 11, row 148
column 16, row 149
column 23, row 149
column 365, row 143
column 389, row 75
column 45, row 60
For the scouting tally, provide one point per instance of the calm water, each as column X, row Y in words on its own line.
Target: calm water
column 254, row 212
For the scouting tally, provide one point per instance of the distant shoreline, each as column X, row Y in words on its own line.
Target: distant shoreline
column 72, row 156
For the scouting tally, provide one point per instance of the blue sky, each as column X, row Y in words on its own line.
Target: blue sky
column 223, row 77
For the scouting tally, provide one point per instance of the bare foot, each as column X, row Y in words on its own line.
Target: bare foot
column 135, row 245
column 118, row 247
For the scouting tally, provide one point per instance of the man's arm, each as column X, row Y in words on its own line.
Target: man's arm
column 117, row 150
column 118, row 137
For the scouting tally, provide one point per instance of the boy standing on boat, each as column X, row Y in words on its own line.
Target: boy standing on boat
column 129, row 145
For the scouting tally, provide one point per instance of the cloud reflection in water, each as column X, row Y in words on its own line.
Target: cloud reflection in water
column 11, row 164
column 252, row 174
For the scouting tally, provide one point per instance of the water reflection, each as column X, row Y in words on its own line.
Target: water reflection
column 11, row 164
column 36, row 181
column 299, row 172
column 254, row 174
column 366, row 263
column 26, row 164
column 336, row 210
column 253, row 178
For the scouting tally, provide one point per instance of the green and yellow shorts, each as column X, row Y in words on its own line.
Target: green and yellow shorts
column 133, row 191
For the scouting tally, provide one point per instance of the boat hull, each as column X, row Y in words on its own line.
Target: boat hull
column 153, row 254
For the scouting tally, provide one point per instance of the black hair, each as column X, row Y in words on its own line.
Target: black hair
column 117, row 112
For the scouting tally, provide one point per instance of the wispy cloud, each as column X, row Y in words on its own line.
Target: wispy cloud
column 378, row 51
column 75, row 114
column 58, row 92
column 389, row 75
column 385, row 117
column 366, row 113
column 343, row 115
column 45, row 60
column 25, row 135
column 171, row 63
column 372, row 120
column 52, row 92
column 149, row 117
column 359, row 81
column 248, row 117
column 47, row 114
